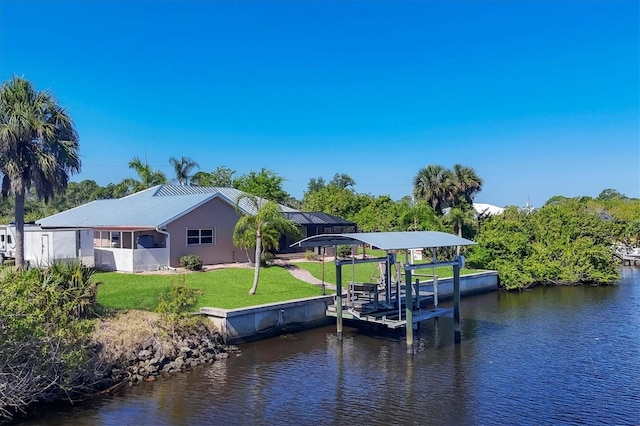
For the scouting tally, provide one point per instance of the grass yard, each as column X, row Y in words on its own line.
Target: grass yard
column 368, row 272
column 223, row 288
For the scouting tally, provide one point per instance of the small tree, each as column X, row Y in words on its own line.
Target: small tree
column 222, row 176
column 265, row 183
column 265, row 218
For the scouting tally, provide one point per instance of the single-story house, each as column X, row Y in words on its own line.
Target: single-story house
column 152, row 229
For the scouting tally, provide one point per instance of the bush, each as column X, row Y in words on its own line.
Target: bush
column 561, row 243
column 266, row 258
column 192, row 262
column 76, row 285
column 310, row 255
column 176, row 300
column 343, row 251
column 44, row 350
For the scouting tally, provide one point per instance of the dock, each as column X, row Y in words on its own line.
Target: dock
column 627, row 254
column 397, row 299
column 367, row 302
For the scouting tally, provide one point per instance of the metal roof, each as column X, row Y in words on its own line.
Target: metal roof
column 153, row 207
column 229, row 194
column 387, row 240
column 316, row 218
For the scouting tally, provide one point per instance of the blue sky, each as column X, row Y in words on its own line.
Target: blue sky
column 541, row 98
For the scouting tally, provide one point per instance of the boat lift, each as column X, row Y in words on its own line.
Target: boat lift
column 367, row 302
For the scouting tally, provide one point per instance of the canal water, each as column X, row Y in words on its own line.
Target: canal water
column 550, row 356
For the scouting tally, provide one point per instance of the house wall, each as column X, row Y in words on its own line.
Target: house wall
column 215, row 214
column 43, row 247
column 108, row 259
column 85, row 251
column 151, row 259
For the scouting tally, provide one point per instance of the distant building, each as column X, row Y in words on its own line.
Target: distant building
column 482, row 209
column 487, row 209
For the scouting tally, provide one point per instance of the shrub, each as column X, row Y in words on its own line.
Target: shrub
column 44, row 351
column 173, row 302
column 266, row 258
column 178, row 297
column 343, row 251
column 192, row 262
column 76, row 285
column 310, row 255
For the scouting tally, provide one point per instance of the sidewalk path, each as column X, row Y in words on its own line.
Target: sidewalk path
column 304, row 275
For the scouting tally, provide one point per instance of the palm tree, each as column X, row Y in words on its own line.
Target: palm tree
column 466, row 183
column 270, row 240
column 433, row 185
column 183, row 168
column 266, row 219
column 148, row 176
column 418, row 216
column 38, row 148
column 462, row 186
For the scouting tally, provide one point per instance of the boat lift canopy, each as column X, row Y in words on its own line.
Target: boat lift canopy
column 397, row 241
column 387, row 240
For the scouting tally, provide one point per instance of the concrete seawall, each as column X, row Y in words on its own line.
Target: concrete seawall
column 258, row 322
column 481, row 282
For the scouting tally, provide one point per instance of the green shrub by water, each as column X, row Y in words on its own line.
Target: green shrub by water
column 562, row 243
column 44, row 334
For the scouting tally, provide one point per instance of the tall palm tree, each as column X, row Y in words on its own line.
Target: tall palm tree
column 466, row 184
column 266, row 218
column 433, row 185
column 38, row 148
column 148, row 176
column 183, row 168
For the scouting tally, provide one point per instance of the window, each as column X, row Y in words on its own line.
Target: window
column 200, row 236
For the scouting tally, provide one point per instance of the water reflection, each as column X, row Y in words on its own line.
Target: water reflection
column 547, row 356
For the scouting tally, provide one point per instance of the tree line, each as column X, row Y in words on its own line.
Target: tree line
column 39, row 153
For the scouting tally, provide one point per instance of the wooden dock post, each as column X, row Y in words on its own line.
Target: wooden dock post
column 409, row 310
column 456, row 300
column 387, row 276
column 338, row 299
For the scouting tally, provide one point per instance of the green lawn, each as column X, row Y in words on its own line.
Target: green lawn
column 368, row 272
column 229, row 288
column 223, row 288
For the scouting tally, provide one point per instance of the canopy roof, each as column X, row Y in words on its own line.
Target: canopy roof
column 387, row 240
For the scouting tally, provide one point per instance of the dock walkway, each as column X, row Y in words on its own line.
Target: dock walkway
column 627, row 254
